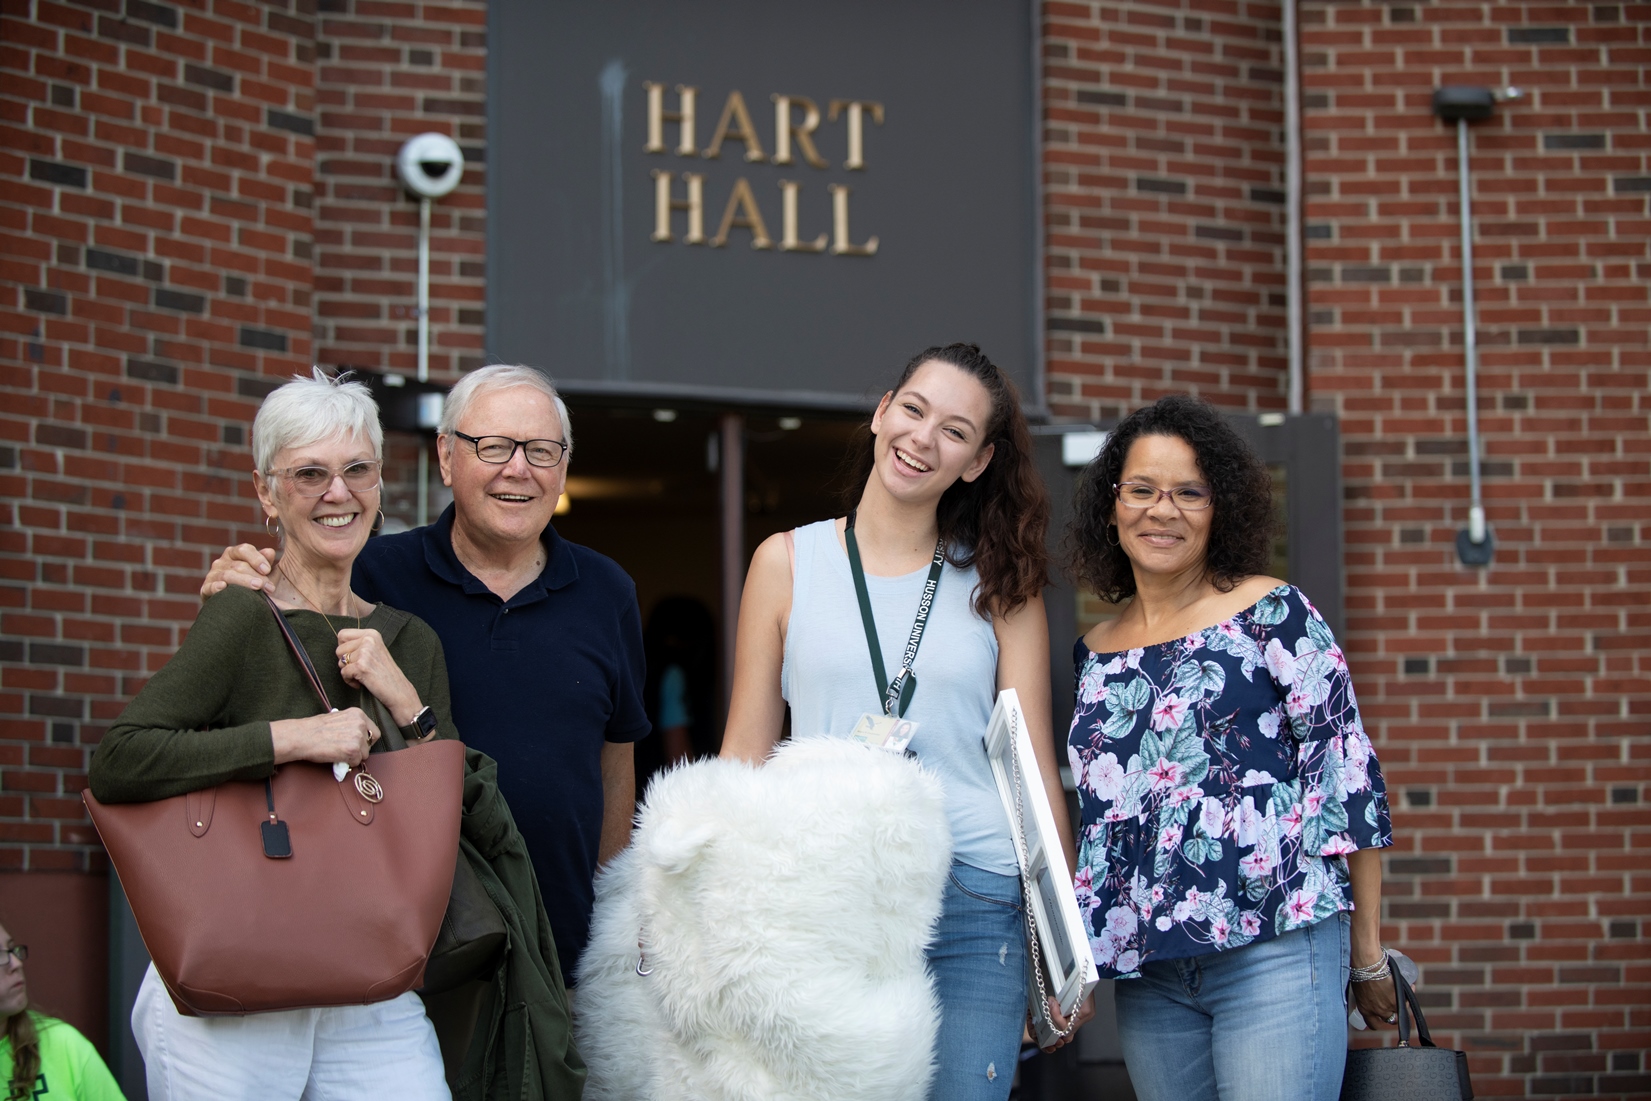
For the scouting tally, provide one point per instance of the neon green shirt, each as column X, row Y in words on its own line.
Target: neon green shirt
column 70, row 1067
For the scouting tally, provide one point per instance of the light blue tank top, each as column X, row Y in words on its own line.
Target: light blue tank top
column 827, row 679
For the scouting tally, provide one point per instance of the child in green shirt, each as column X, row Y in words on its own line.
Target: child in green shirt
column 58, row 1063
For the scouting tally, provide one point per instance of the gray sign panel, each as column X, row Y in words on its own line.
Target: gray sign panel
column 655, row 228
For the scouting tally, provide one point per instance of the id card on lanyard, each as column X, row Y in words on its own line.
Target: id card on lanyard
column 891, row 730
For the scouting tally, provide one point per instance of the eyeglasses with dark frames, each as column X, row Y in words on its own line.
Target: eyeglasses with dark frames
column 1141, row 495
column 314, row 481
column 18, row 952
column 499, row 450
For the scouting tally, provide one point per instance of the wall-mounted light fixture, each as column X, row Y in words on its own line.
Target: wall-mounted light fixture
column 1462, row 104
column 430, row 166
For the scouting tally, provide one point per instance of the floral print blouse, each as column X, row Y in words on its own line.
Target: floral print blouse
column 1222, row 778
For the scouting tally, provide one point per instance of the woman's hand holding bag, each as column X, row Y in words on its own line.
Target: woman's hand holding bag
column 1405, row 1073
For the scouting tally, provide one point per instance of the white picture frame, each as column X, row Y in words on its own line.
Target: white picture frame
column 1063, row 942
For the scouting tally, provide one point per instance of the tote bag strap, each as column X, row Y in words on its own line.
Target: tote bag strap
column 1408, row 1007
column 299, row 652
column 393, row 739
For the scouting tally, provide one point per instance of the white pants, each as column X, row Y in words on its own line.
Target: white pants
column 350, row 1053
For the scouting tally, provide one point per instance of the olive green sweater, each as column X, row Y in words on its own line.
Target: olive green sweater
column 204, row 717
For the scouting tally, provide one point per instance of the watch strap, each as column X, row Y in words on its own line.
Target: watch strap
column 422, row 726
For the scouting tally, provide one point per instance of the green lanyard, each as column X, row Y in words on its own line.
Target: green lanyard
column 896, row 694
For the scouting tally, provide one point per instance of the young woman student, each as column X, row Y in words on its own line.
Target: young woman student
column 947, row 514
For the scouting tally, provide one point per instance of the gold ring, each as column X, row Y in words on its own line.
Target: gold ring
column 346, row 659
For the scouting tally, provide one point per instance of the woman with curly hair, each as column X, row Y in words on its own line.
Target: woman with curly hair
column 942, row 488
column 1232, row 807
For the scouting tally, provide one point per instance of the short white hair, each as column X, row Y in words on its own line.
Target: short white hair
column 314, row 408
column 501, row 376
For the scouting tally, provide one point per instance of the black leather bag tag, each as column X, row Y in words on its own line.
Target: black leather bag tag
column 277, row 845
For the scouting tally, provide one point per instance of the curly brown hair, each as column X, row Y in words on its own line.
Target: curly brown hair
column 996, row 523
column 1242, row 524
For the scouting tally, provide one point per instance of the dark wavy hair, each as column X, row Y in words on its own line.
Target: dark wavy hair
column 996, row 523
column 1242, row 525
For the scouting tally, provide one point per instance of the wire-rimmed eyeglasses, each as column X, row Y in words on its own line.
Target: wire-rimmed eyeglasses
column 499, row 450
column 1141, row 495
column 313, row 481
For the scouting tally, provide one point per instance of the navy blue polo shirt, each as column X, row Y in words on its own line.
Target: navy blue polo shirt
column 540, row 682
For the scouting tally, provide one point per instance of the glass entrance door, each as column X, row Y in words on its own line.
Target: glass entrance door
column 645, row 488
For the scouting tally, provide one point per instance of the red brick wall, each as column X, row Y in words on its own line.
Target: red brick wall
column 1164, row 204
column 1511, row 706
column 388, row 71
column 195, row 206
column 156, row 162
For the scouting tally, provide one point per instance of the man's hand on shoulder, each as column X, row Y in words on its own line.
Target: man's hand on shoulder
column 244, row 565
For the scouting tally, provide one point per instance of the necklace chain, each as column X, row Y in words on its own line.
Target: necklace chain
column 312, row 603
column 306, row 596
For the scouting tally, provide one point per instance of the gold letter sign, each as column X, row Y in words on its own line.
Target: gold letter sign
column 742, row 211
column 840, row 245
column 793, row 139
column 784, row 131
column 856, row 136
column 734, row 111
column 694, row 205
column 658, row 117
column 788, row 222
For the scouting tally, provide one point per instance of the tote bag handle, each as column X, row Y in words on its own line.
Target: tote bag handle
column 1405, row 995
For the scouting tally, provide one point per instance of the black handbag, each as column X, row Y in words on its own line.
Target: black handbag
column 1405, row 1073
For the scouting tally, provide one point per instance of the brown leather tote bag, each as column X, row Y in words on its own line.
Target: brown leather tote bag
column 296, row 892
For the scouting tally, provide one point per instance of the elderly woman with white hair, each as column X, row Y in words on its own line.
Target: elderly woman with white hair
column 233, row 704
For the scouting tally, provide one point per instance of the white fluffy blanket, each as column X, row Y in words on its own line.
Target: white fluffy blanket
column 783, row 911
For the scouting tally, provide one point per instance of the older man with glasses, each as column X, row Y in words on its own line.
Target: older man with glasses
column 543, row 637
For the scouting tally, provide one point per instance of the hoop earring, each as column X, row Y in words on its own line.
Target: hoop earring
column 272, row 526
column 1112, row 528
column 380, row 522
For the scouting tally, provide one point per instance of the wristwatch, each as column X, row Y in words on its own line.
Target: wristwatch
column 422, row 726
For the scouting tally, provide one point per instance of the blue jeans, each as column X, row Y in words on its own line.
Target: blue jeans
column 978, row 960
column 1266, row 1022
